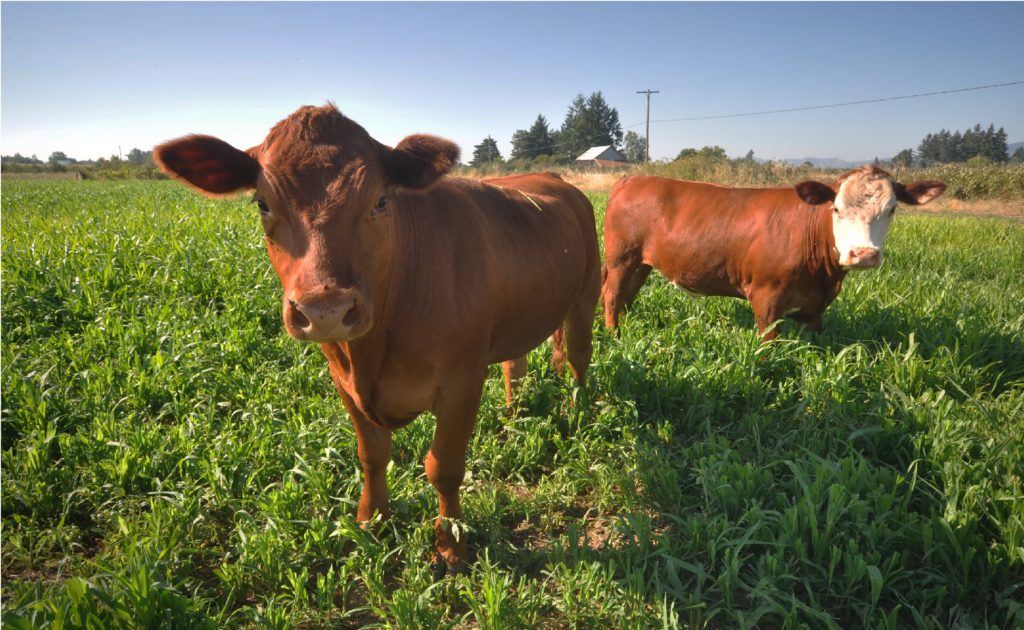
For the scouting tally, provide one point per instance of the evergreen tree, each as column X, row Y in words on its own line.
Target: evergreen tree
column 486, row 151
column 944, row 147
column 955, row 149
column 997, row 149
column 589, row 122
column 606, row 118
column 533, row 142
column 972, row 143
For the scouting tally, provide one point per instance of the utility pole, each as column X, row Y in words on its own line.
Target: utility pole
column 647, row 138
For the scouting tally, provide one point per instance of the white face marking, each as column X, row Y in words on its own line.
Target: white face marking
column 863, row 211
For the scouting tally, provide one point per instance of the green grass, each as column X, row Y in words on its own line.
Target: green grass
column 172, row 458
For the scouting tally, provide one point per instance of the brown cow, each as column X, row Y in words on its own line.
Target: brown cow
column 786, row 250
column 411, row 282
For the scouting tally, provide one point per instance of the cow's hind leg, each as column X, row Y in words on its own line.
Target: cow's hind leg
column 574, row 339
column 514, row 370
column 622, row 281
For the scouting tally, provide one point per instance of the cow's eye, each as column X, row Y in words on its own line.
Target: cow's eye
column 835, row 209
column 262, row 205
column 381, row 204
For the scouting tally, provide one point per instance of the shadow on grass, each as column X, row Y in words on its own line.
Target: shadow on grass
column 755, row 494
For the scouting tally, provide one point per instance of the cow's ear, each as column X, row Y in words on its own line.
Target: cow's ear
column 208, row 164
column 419, row 160
column 919, row 192
column 814, row 192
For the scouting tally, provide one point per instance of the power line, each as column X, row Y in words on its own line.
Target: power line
column 600, row 135
column 810, row 107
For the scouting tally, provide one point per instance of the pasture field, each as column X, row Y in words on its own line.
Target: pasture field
column 172, row 459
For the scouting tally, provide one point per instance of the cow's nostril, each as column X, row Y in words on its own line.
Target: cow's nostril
column 352, row 317
column 297, row 317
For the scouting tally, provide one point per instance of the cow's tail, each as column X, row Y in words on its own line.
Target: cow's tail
column 604, row 279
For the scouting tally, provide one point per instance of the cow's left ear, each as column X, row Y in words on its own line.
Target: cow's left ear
column 419, row 160
column 208, row 164
column 814, row 192
column 920, row 192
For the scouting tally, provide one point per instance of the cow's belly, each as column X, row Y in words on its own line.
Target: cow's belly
column 689, row 271
column 516, row 341
column 532, row 311
column 708, row 284
column 397, row 402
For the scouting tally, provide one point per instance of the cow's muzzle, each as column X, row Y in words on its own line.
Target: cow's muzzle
column 863, row 258
column 327, row 315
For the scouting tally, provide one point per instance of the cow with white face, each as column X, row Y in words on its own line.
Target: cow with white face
column 863, row 209
column 785, row 250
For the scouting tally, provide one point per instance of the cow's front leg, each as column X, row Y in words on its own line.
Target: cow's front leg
column 374, row 446
column 812, row 321
column 445, row 464
column 767, row 311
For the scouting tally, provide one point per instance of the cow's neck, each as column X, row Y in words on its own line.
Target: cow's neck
column 359, row 362
column 820, row 243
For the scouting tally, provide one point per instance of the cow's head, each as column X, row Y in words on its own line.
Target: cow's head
column 863, row 204
column 323, row 188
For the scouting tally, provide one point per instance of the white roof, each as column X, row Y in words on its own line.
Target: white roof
column 593, row 152
column 606, row 152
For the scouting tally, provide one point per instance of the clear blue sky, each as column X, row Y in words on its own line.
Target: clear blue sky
column 86, row 78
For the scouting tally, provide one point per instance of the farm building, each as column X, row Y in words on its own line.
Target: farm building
column 602, row 156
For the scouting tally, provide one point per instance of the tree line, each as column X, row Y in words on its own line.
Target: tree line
column 977, row 145
column 590, row 121
column 136, row 164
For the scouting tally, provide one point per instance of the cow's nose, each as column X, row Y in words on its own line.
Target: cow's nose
column 326, row 315
column 865, row 257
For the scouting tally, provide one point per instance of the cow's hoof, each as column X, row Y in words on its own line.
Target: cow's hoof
column 441, row 568
column 438, row 569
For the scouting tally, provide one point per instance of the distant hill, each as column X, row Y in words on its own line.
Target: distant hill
column 841, row 163
column 827, row 162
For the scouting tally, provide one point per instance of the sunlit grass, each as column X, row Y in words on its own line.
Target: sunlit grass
column 171, row 457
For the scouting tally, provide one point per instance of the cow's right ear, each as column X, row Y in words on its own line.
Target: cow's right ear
column 420, row 160
column 208, row 164
column 814, row 192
